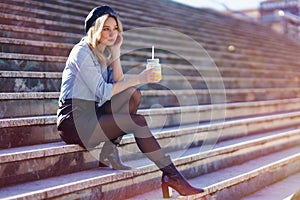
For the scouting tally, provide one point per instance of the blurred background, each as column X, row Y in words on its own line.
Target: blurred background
column 280, row 15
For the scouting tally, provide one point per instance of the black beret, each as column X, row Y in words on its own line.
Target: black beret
column 96, row 13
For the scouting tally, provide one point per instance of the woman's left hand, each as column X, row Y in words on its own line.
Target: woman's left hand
column 118, row 42
column 115, row 48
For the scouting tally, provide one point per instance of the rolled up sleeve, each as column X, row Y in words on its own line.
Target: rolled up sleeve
column 104, row 91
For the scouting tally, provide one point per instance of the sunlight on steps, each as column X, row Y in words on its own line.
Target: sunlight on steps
column 229, row 117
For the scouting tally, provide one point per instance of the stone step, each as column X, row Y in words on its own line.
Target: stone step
column 56, row 14
column 139, row 55
column 41, row 47
column 36, row 161
column 164, row 39
column 45, row 103
column 179, row 82
column 246, row 72
column 178, row 115
column 21, row 46
column 12, row 31
column 20, row 81
column 126, row 13
column 33, row 10
column 41, row 23
column 62, row 37
column 144, row 36
column 57, row 63
column 42, row 129
column 111, row 184
column 166, row 36
column 29, row 62
column 133, row 67
column 208, row 17
column 242, row 178
column 34, row 69
column 213, row 96
column 283, row 189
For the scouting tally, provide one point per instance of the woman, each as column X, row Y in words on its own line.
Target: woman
column 98, row 105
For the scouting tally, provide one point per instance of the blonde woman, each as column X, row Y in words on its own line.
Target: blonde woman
column 97, row 104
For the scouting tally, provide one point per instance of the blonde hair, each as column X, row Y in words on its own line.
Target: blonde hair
column 94, row 35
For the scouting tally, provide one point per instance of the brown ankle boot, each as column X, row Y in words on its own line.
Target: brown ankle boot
column 172, row 178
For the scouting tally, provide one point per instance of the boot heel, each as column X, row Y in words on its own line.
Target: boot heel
column 166, row 190
column 173, row 178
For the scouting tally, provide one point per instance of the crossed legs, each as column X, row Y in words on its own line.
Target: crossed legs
column 118, row 117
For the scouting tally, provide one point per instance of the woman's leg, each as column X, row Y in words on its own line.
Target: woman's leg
column 127, row 101
column 114, row 125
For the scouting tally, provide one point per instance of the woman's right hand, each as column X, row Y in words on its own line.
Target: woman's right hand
column 149, row 76
column 146, row 76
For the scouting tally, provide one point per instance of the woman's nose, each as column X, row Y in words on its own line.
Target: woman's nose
column 111, row 33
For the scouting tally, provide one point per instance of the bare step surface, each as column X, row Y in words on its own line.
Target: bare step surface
column 111, row 179
column 212, row 182
column 282, row 190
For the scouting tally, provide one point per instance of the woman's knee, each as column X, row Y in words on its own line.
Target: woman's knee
column 136, row 96
column 139, row 120
column 134, row 101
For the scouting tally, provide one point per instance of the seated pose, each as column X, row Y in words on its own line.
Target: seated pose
column 97, row 104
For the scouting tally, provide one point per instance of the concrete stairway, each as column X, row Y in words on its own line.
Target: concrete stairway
column 284, row 189
column 229, row 118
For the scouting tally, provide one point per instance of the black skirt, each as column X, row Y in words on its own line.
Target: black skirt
column 76, row 121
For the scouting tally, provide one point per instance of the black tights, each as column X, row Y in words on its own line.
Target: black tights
column 118, row 117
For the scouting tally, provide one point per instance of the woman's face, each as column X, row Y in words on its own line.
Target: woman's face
column 109, row 32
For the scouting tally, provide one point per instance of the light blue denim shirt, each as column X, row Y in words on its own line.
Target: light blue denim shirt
column 84, row 78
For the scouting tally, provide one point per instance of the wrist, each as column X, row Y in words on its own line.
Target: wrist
column 115, row 58
column 138, row 79
column 115, row 54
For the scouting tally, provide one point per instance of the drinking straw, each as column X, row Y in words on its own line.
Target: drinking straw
column 152, row 52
